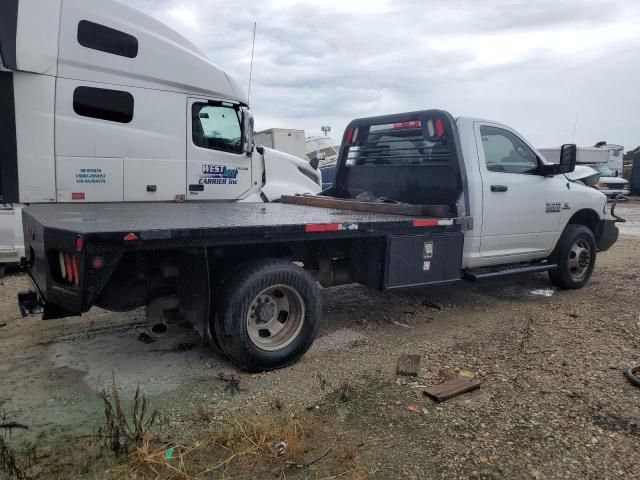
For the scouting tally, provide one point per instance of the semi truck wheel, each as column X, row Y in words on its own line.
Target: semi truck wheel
column 269, row 315
column 576, row 257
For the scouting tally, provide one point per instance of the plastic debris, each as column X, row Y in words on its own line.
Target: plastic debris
column 280, row 448
column 168, row 455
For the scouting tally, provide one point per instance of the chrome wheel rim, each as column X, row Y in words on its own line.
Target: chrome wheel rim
column 579, row 259
column 275, row 317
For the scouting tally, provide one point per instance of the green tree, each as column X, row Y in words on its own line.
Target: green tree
column 630, row 156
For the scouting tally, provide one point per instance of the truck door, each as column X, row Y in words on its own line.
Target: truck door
column 217, row 168
column 521, row 208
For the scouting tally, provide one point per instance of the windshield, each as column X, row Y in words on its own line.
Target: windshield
column 603, row 170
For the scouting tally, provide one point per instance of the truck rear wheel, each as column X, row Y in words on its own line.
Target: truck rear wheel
column 576, row 257
column 268, row 316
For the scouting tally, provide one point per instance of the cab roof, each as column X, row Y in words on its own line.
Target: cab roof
column 42, row 36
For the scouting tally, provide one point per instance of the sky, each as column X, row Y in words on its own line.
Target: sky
column 533, row 65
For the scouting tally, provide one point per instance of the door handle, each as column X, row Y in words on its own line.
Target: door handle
column 499, row 188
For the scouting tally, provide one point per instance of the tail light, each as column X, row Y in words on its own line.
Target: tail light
column 69, row 268
column 407, row 125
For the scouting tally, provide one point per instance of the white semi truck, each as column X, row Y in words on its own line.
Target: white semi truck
column 102, row 103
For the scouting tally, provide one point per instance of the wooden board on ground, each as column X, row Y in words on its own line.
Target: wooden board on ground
column 437, row 211
column 452, row 388
column 408, row 365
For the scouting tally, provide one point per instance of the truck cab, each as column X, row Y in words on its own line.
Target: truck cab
column 521, row 204
column 102, row 103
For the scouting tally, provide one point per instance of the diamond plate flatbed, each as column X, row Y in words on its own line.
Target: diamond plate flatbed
column 250, row 221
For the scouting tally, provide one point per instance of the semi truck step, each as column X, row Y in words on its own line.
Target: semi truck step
column 484, row 273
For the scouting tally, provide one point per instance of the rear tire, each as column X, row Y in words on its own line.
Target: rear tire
column 269, row 315
column 575, row 255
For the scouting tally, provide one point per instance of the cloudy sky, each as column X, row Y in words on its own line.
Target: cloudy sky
column 533, row 64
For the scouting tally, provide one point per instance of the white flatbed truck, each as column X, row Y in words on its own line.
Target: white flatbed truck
column 472, row 200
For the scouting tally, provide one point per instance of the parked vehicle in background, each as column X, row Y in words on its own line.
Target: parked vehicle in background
column 584, row 156
column 285, row 140
column 419, row 199
column 102, row 103
column 328, row 175
column 610, row 184
column 321, row 149
column 615, row 160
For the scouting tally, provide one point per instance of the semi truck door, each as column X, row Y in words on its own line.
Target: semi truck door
column 217, row 167
column 521, row 208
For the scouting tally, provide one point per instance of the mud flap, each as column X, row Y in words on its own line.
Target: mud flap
column 194, row 289
column 609, row 235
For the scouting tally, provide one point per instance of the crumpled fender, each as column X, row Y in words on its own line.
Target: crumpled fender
column 589, row 176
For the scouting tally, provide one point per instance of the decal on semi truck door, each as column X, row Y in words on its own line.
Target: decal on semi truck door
column 91, row 176
column 218, row 175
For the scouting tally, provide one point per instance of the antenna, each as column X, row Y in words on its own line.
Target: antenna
column 575, row 126
column 253, row 49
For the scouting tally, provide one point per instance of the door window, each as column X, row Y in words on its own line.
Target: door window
column 217, row 127
column 505, row 152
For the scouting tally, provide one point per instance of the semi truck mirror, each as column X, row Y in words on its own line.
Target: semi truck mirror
column 568, row 156
column 247, row 131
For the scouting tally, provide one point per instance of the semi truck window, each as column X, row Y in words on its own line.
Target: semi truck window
column 103, row 104
column 217, row 127
column 106, row 39
column 505, row 152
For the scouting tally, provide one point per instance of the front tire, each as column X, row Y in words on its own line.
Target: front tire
column 269, row 315
column 576, row 258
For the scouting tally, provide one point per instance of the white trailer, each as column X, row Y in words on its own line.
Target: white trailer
column 102, row 103
column 282, row 139
column 585, row 156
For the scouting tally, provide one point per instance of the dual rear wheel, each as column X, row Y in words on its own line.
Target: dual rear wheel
column 267, row 315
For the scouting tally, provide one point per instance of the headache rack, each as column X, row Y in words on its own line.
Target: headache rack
column 411, row 158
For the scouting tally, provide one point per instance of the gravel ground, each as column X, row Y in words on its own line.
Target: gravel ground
column 553, row 402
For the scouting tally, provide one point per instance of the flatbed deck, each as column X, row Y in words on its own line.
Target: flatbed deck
column 163, row 221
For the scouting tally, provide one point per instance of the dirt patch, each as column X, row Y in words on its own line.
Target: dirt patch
column 553, row 403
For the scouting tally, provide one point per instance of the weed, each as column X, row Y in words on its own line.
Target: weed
column 347, row 390
column 120, row 434
column 277, row 404
column 10, row 464
column 204, row 414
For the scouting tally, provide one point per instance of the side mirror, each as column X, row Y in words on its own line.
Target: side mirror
column 314, row 162
column 568, row 157
column 247, row 131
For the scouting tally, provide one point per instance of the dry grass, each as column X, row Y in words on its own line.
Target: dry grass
column 294, row 446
